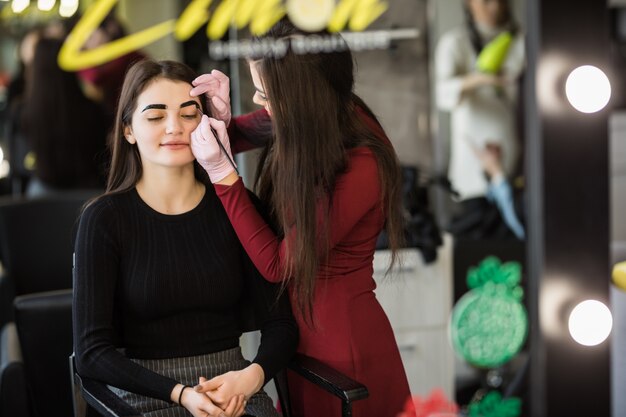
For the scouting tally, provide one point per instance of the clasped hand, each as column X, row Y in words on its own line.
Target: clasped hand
column 200, row 405
column 224, row 389
column 225, row 395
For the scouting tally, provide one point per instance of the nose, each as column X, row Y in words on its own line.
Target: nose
column 173, row 126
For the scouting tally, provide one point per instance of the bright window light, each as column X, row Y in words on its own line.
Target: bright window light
column 588, row 89
column 18, row 6
column 68, row 8
column 45, row 5
column 590, row 323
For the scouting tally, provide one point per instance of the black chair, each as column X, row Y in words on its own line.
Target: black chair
column 94, row 396
column 36, row 255
column 34, row 379
column 36, row 245
column 13, row 392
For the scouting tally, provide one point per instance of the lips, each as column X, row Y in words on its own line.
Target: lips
column 175, row 144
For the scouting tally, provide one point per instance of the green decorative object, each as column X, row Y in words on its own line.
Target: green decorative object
column 492, row 405
column 494, row 53
column 489, row 323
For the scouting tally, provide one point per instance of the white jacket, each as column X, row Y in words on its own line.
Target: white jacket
column 484, row 115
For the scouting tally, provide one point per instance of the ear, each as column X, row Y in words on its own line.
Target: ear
column 128, row 134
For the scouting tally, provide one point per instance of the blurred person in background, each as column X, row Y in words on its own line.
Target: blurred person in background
column 477, row 69
column 103, row 83
column 17, row 148
column 65, row 130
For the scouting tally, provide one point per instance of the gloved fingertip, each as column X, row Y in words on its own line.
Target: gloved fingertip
column 200, row 78
column 215, row 123
column 205, row 127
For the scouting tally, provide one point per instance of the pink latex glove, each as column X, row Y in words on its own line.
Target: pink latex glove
column 217, row 162
column 216, row 85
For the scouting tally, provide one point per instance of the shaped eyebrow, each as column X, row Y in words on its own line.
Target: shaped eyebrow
column 190, row 103
column 163, row 106
column 154, row 106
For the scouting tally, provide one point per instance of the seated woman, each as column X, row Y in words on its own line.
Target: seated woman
column 153, row 313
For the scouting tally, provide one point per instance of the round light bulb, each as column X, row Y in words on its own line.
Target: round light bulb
column 18, row 6
column 67, row 8
column 590, row 323
column 588, row 89
column 45, row 5
column 310, row 15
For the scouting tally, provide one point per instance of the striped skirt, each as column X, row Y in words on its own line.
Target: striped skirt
column 187, row 371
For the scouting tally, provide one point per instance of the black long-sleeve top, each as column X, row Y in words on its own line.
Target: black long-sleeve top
column 150, row 285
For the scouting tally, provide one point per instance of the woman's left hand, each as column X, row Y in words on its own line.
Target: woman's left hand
column 223, row 387
column 216, row 86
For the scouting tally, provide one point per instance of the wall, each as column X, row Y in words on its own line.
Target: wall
column 394, row 83
column 141, row 14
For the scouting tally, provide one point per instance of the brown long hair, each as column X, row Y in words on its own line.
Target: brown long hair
column 126, row 168
column 508, row 23
column 65, row 129
column 316, row 119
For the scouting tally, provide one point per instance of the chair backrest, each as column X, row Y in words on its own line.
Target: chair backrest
column 44, row 328
column 36, row 240
column 13, row 399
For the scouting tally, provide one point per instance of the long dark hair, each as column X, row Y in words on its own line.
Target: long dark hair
column 126, row 168
column 508, row 23
column 316, row 118
column 63, row 127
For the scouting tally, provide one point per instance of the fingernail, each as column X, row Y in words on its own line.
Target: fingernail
column 197, row 388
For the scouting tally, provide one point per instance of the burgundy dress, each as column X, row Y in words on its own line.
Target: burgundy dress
column 351, row 331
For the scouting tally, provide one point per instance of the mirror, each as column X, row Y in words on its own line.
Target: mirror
column 477, row 65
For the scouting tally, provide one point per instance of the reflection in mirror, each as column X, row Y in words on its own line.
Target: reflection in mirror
column 477, row 67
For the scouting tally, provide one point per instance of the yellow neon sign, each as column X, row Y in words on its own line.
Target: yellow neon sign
column 259, row 15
